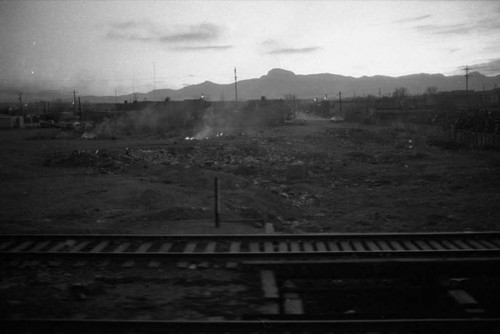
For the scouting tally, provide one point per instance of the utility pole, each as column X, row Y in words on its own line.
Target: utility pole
column 235, row 86
column 340, row 102
column 467, row 75
column 115, row 97
column 20, row 103
column 79, row 108
column 154, row 82
column 133, row 87
column 74, row 102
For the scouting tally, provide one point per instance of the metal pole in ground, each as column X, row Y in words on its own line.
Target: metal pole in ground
column 216, row 203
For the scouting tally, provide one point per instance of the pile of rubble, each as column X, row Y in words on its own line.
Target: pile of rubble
column 267, row 163
column 296, row 198
column 209, row 155
column 104, row 160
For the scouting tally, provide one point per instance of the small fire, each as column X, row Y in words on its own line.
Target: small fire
column 194, row 138
column 197, row 137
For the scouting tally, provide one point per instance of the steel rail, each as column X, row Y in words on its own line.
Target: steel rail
column 255, row 246
column 490, row 255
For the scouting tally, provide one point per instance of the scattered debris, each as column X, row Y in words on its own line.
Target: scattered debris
column 89, row 135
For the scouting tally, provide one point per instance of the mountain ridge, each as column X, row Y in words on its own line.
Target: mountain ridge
column 280, row 82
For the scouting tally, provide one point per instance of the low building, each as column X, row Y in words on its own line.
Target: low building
column 491, row 99
column 10, row 122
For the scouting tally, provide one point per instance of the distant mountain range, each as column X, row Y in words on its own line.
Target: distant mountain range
column 278, row 82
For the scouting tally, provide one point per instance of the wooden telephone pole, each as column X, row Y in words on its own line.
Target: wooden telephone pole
column 154, row 82
column 340, row 102
column 74, row 102
column 467, row 75
column 79, row 109
column 235, row 85
column 20, row 103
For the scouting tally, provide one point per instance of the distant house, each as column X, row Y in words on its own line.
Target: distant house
column 387, row 103
column 430, row 100
column 461, row 99
column 490, row 99
column 346, row 106
column 10, row 122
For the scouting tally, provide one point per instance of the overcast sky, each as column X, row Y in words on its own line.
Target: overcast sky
column 99, row 46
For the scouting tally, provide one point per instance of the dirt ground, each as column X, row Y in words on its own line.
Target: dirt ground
column 142, row 293
column 317, row 177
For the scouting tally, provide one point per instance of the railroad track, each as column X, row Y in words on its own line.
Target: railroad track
column 285, row 259
column 256, row 246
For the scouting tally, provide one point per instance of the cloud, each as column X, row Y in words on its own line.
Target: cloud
column 128, row 36
column 201, row 32
column 491, row 48
column 203, row 47
column 143, row 31
column 491, row 67
column 269, row 42
column 271, row 46
column 489, row 24
column 413, row 19
column 454, row 29
column 294, row 50
column 132, row 31
column 126, row 24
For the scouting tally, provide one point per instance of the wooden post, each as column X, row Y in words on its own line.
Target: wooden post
column 216, row 203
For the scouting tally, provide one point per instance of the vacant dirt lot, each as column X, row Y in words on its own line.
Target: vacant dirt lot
column 318, row 177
